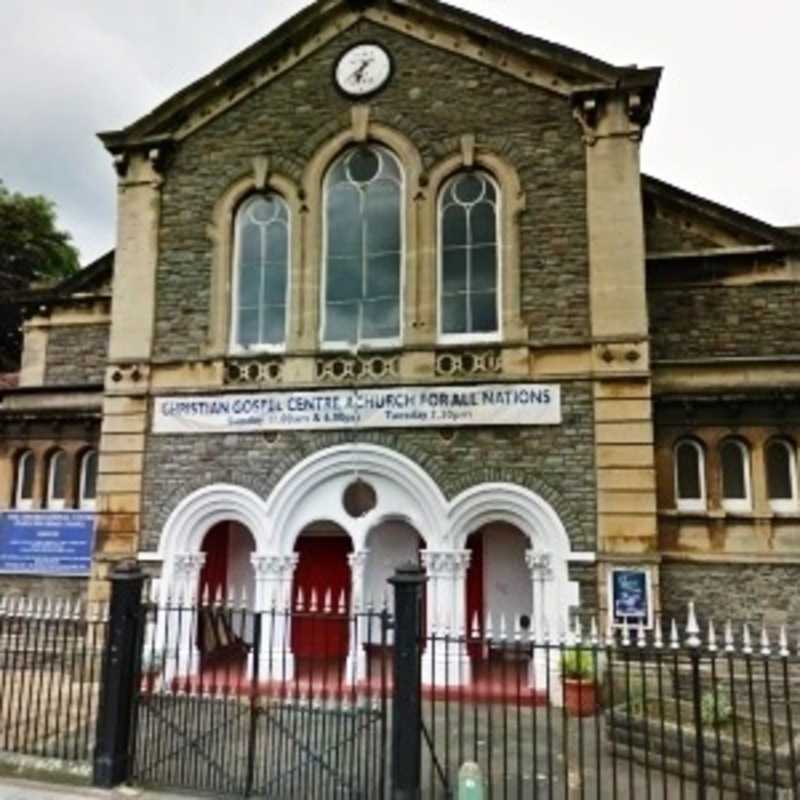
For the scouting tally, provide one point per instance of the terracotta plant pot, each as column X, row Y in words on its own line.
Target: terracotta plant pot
column 580, row 697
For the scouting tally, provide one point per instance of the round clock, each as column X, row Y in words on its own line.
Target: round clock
column 363, row 69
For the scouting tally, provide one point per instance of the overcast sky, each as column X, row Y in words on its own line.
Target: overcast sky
column 726, row 125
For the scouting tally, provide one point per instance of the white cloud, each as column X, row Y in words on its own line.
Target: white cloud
column 725, row 125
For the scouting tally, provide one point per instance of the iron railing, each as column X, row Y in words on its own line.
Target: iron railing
column 50, row 667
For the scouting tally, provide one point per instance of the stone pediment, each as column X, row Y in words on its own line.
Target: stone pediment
column 552, row 67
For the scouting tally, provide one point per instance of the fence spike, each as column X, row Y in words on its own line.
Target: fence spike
column 747, row 642
column 327, row 601
column 712, row 637
column 783, row 642
column 29, row 607
column 3, row 606
column 517, row 629
column 219, row 598
column 730, row 644
column 155, row 589
column 342, row 602
column 674, row 639
column 476, row 627
column 300, row 605
column 11, row 606
column 578, row 630
column 626, row 633
column 611, row 632
column 76, row 609
column 502, row 627
column 593, row 633
column 641, row 636
column 692, row 628
column 312, row 604
column 488, row 627
column 658, row 637
column 766, row 646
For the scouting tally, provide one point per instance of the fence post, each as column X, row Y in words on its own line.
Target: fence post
column 408, row 581
column 120, row 666
column 694, row 643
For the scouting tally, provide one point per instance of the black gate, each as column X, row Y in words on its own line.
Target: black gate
column 222, row 705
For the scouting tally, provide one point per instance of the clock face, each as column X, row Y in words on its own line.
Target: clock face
column 363, row 69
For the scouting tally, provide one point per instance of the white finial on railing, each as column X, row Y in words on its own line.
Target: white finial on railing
column 712, row 637
column 766, row 647
column 76, row 609
column 488, row 627
column 300, row 601
column 730, row 644
column 611, row 632
column 502, row 627
column 626, row 633
column 658, row 634
column 218, row 597
column 342, row 607
column 594, row 636
column 783, row 643
column 674, row 639
column 747, row 643
column 476, row 626
column 578, row 632
column 327, row 601
column 692, row 628
column 155, row 588
column 641, row 636
column 312, row 603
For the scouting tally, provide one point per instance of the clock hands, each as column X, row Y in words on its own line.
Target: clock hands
column 358, row 75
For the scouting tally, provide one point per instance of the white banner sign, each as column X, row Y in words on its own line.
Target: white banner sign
column 404, row 407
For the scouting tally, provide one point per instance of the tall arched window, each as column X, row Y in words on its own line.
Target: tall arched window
column 469, row 293
column 781, row 464
column 56, row 494
column 87, row 484
column 261, row 273
column 690, row 478
column 735, row 466
column 24, row 480
column 363, row 248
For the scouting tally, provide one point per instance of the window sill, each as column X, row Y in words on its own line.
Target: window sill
column 709, row 514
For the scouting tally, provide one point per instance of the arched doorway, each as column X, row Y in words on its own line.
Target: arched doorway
column 321, row 590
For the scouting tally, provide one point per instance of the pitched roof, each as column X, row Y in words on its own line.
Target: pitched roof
column 579, row 69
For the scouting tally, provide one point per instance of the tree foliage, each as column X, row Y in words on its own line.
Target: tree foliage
column 32, row 252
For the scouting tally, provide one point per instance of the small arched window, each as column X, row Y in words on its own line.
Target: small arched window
column 87, row 484
column 735, row 468
column 261, row 273
column 56, row 494
column 363, row 248
column 781, row 464
column 24, row 480
column 469, row 258
column 690, row 478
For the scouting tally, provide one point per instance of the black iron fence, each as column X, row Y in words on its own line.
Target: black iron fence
column 321, row 699
column 50, row 669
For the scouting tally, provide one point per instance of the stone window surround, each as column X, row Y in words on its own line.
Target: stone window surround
column 758, row 503
column 420, row 278
column 791, row 503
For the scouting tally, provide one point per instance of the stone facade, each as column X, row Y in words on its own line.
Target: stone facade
column 289, row 119
column 76, row 354
column 555, row 462
column 717, row 321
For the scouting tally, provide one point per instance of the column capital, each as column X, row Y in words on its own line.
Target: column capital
column 540, row 564
column 446, row 563
column 274, row 567
column 358, row 559
column 189, row 564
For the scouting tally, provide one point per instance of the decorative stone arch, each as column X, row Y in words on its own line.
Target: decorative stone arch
column 404, row 491
column 362, row 130
column 182, row 537
column 512, row 203
column 221, row 233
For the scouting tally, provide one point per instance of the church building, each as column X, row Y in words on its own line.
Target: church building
column 390, row 286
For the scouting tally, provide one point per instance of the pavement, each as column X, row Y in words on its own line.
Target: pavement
column 14, row 789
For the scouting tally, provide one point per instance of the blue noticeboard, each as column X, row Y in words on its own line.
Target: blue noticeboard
column 46, row 542
column 630, row 596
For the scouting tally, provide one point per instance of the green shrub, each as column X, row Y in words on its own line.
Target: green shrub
column 578, row 664
column 718, row 715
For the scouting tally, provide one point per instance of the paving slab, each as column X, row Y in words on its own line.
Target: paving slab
column 13, row 789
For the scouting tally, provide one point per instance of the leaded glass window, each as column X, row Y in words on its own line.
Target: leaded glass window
column 363, row 247
column 262, row 272
column 468, row 217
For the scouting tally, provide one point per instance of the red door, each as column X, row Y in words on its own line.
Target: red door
column 321, row 568
column 475, row 592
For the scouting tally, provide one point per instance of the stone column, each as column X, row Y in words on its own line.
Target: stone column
column 546, row 624
column 273, row 601
column 446, row 614
column 363, row 628
column 177, row 636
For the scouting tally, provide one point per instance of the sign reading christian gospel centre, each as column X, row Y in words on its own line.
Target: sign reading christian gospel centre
column 404, row 407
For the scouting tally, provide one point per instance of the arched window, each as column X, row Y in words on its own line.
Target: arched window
column 363, row 248
column 261, row 273
column 469, row 258
column 781, row 464
column 56, row 494
column 690, row 478
column 735, row 467
column 87, row 486
column 24, row 480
